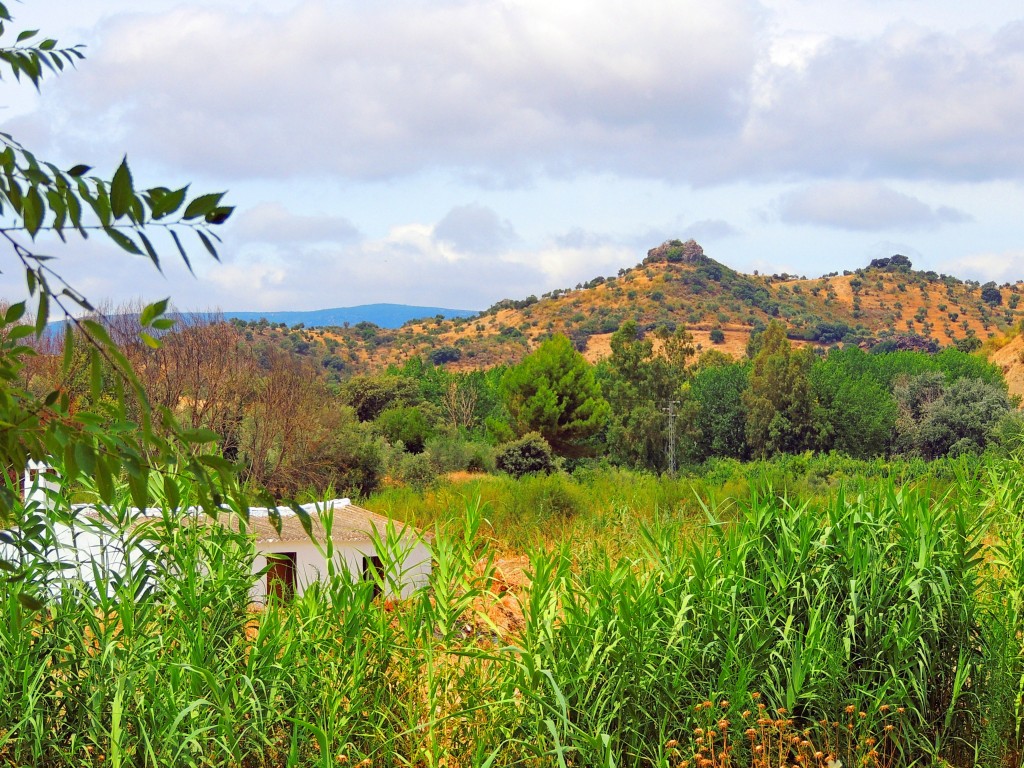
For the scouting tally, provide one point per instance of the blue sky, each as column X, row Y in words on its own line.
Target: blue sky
column 453, row 153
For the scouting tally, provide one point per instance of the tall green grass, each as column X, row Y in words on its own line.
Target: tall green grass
column 840, row 608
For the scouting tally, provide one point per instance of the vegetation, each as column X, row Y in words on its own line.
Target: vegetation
column 855, row 600
column 878, row 622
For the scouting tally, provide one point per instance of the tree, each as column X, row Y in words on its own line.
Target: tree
column 779, row 401
column 937, row 418
column 640, row 385
column 991, row 295
column 38, row 198
column 856, row 413
column 553, row 391
column 721, row 417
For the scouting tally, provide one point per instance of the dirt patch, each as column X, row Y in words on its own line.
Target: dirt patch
column 510, row 586
column 1010, row 360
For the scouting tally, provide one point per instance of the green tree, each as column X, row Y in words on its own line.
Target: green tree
column 721, row 416
column 39, row 198
column 779, row 402
column 553, row 391
column 856, row 412
column 939, row 419
column 371, row 395
column 639, row 384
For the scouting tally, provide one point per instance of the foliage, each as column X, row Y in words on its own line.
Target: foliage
column 875, row 597
column 117, row 431
column 530, row 454
column 371, row 395
column 553, row 391
column 720, row 417
column 962, row 419
column 405, row 424
column 779, row 401
column 856, row 412
column 640, row 386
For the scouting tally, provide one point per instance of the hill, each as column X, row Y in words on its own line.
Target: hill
column 886, row 302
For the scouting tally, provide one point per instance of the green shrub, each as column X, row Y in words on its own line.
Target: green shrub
column 529, row 454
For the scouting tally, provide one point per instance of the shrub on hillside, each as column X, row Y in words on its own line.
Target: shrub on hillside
column 529, row 454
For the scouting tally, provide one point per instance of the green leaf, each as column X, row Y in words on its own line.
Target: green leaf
column 152, row 311
column 85, row 456
column 95, row 375
column 30, row 602
column 28, row 33
column 122, row 240
column 150, row 250
column 208, row 244
column 219, row 214
column 171, row 492
column 42, row 312
column 14, row 313
column 181, row 250
column 32, row 211
column 69, row 349
column 98, row 332
column 201, row 435
column 79, row 170
column 122, row 193
column 149, row 341
column 163, row 201
column 202, row 205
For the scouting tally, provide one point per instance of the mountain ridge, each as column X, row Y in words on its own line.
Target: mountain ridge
column 678, row 285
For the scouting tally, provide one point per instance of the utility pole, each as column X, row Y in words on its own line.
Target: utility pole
column 672, row 436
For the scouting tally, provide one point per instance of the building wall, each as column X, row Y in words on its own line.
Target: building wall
column 311, row 565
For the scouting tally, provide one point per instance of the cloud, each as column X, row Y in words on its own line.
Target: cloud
column 1002, row 267
column 865, row 206
column 709, row 229
column 272, row 222
column 379, row 90
column 475, row 229
column 910, row 103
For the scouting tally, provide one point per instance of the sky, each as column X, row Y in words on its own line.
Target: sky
column 456, row 152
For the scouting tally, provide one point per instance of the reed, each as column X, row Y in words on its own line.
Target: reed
column 872, row 622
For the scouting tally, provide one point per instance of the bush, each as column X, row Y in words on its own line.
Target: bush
column 415, row 470
column 717, row 336
column 444, row 355
column 527, row 455
column 407, row 425
column 453, row 454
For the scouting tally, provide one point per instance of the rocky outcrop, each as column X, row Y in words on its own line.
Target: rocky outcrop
column 676, row 252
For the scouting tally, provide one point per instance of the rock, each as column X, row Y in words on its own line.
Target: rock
column 677, row 252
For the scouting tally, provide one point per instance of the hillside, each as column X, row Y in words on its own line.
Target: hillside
column 677, row 284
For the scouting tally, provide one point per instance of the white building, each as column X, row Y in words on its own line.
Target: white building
column 291, row 559
column 288, row 558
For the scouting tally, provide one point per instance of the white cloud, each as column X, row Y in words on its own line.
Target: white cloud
column 1002, row 267
column 272, row 222
column 384, row 89
column 475, row 229
column 864, row 206
column 910, row 103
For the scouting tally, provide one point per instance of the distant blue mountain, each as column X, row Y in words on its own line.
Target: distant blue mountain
column 383, row 315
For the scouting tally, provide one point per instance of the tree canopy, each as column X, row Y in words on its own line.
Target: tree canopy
column 553, row 391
